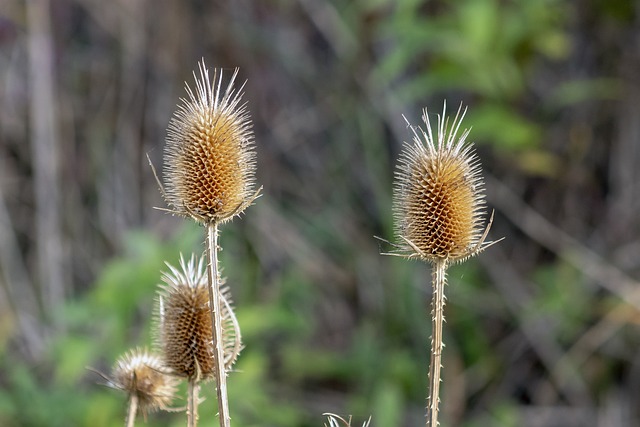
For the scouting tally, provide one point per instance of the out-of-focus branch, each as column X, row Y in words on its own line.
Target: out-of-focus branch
column 45, row 152
column 537, row 330
column 18, row 289
column 562, row 244
column 123, row 203
column 591, row 264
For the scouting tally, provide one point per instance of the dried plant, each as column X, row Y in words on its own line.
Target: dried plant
column 209, row 156
column 338, row 421
column 184, row 330
column 438, row 206
column 183, row 322
column 209, row 171
column 143, row 377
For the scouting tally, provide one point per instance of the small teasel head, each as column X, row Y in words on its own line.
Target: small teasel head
column 438, row 197
column 209, row 159
column 143, row 374
column 183, row 324
column 338, row 421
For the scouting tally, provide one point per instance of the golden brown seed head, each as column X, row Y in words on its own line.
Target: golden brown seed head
column 438, row 194
column 184, row 322
column 143, row 374
column 209, row 161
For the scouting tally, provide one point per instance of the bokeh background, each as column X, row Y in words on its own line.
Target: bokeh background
column 542, row 329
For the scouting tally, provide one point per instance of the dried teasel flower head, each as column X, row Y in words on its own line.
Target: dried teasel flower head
column 141, row 373
column 183, row 324
column 338, row 421
column 209, row 159
column 438, row 197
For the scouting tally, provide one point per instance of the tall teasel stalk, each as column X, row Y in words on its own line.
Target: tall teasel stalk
column 439, row 208
column 143, row 377
column 184, row 329
column 209, row 170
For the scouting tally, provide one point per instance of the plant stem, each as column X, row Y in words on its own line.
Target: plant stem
column 439, row 274
column 133, row 409
column 192, row 402
column 216, row 322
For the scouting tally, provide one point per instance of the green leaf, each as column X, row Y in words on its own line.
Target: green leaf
column 503, row 127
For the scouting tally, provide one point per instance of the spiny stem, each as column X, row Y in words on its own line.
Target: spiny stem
column 216, row 321
column 192, row 402
column 439, row 274
column 133, row 409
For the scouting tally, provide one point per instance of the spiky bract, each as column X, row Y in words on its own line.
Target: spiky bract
column 141, row 373
column 209, row 155
column 338, row 421
column 184, row 322
column 438, row 199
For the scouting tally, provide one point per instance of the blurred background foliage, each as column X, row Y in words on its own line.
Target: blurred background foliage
column 542, row 329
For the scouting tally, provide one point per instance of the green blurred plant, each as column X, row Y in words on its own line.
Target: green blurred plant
column 113, row 316
column 487, row 50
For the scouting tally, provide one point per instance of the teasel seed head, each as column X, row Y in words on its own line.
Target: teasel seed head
column 209, row 160
column 338, row 421
column 438, row 197
column 183, row 324
column 141, row 373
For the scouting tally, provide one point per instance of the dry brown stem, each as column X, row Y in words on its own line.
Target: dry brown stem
column 220, row 373
column 132, row 411
column 439, row 274
column 192, row 402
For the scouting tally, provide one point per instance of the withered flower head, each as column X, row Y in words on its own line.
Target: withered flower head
column 141, row 373
column 184, row 333
column 338, row 421
column 209, row 160
column 438, row 199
